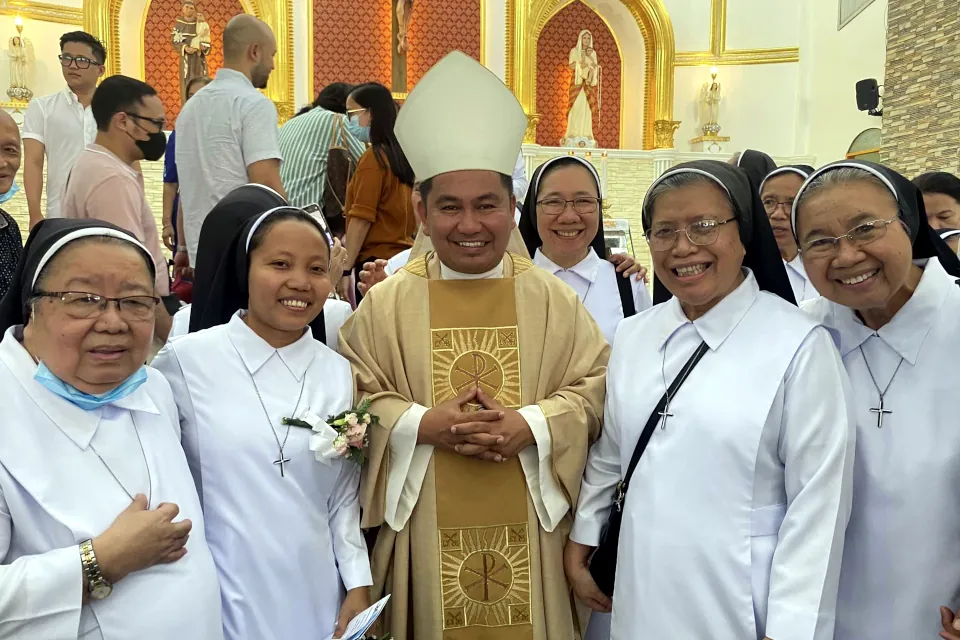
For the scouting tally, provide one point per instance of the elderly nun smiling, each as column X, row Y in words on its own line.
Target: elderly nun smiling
column 889, row 292
column 97, row 506
column 747, row 474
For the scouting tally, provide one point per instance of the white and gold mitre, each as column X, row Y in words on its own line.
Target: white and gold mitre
column 460, row 117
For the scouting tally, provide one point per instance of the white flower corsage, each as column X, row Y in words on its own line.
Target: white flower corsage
column 341, row 436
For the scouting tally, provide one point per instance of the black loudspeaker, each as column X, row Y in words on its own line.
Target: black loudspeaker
column 868, row 95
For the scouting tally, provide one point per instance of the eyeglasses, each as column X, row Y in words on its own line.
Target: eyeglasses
column 81, row 62
column 701, row 233
column 556, row 206
column 157, row 122
column 351, row 112
column 860, row 235
column 770, row 205
column 84, row 306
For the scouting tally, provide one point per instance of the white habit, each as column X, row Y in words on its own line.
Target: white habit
column 285, row 547
column 55, row 493
column 595, row 281
column 902, row 560
column 803, row 289
column 734, row 520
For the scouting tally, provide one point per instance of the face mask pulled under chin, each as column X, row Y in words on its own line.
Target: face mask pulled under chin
column 359, row 132
column 153, row 147
column 14, row 190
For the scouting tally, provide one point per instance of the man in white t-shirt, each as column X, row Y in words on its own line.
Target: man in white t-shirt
column 227, row 132
column 57, row 127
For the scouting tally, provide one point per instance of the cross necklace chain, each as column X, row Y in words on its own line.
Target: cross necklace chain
column 666, row 389
column 145, row 464
column 281, row 459
column 879, row 410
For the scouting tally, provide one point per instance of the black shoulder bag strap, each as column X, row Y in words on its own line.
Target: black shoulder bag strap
column 625, row 287
column 603, row 564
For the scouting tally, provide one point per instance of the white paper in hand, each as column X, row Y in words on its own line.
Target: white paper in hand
column 363, row 621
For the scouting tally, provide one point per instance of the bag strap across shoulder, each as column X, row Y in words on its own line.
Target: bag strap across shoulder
column 653, row 420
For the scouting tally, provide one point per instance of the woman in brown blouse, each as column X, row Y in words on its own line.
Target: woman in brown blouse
column 380, row 218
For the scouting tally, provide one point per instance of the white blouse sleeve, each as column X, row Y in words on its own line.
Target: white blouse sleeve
column 168, row 364
column 41, row 595
column 602, row 473
column 641, row 295
column 817, row 442
column 348, row 543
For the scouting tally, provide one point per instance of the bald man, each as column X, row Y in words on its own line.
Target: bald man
column 10, row 241
column 227, row 133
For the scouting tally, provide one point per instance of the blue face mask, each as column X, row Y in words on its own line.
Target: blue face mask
column 14, row 190
column 88, row 401
column 360, row 133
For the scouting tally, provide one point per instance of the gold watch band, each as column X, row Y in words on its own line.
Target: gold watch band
column 96, row 583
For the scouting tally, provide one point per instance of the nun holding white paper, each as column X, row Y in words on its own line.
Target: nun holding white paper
column 278, row 490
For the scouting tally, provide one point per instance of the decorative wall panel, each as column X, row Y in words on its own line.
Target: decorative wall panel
column 558, row 37
column 351, row 41
column 438, row 27
column 159, row 58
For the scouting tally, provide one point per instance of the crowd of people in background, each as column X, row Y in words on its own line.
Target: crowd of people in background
column 780, row 407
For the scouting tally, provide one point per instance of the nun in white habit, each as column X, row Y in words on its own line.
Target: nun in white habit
column 101, row 533
column 889, row 287
column 734, row 518
column 777, row 193
column 283, row 521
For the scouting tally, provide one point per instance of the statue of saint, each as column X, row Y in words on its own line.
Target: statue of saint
column 404, row 12
column 191, row 40
column 710, row 105
column 18, row 62
column 585, row 92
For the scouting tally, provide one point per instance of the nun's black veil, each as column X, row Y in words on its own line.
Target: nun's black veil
column 14, row 308
column 221, row 257
column 531, row 235
column 757, row 165
column 927, row 243
column 762, row 254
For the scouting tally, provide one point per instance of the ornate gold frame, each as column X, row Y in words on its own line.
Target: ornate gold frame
column 102, row 19
column 525, row 22
column 42, row 11
column 720, row 55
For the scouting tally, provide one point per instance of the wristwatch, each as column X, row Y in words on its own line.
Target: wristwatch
column 98, row 587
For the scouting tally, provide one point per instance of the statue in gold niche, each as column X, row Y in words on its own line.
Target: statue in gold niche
column 191, row 40
column 585, row 91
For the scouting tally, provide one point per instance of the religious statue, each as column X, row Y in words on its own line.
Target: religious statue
column 585, row 93
column 17, row 48
column 191, row 40
column 710, row 105
column 404, row 12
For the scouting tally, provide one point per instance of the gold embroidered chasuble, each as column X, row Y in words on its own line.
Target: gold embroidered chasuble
column 473, row 562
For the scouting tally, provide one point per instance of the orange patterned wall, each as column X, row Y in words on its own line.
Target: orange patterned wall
column 439, row 27
column 553, row 76
column 351, row 41
column 161, row 61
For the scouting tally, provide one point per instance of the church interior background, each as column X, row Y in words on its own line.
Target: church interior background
column 666, row 80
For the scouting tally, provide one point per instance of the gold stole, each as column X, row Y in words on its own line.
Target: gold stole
column 482, row 512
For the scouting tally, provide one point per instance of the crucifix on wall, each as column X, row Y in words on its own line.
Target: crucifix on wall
column 402, row 12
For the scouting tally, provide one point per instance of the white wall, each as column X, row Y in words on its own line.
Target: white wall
column 691, row 23
column 831, row 62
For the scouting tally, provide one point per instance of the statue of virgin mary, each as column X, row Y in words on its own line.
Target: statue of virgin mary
column 584, row 93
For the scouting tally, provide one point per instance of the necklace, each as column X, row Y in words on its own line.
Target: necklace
column 879, row 410
column 281, row 459
column 691, row 363
column 145, row 464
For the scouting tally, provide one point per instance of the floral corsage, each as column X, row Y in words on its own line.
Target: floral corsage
column 344, row 435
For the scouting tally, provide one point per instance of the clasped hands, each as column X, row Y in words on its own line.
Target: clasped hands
column 493, row 433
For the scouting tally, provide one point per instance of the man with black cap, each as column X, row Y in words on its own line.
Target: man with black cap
column 487, row 375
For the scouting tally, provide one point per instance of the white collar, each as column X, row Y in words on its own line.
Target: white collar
column 70, row 95
column 907, row 329
column 797, row 265
column 256, row 352
column 588, row 268
column 717, row 324
column 232, row 75
column 446, row 273
column 77, row 424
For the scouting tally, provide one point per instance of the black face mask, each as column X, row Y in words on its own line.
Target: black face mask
column 153, row 147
